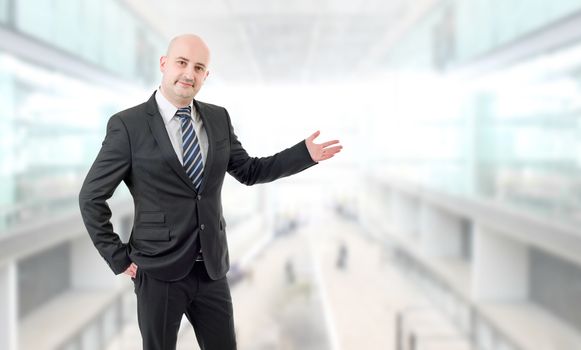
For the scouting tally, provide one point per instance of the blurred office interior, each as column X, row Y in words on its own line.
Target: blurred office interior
column 451, row 219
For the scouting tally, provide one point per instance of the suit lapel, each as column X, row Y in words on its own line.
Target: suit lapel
column 209, row 132
column 159, row 132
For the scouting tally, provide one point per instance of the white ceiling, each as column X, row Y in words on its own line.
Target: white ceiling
column 281, row 41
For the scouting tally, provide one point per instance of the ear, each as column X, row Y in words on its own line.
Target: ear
column 162, row 63
column 207, row 73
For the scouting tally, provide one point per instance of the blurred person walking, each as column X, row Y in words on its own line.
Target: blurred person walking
column 173, row 152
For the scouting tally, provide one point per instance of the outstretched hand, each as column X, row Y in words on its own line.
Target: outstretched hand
column 321, row 151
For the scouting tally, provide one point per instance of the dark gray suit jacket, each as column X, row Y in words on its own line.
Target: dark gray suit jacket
column 169, row 214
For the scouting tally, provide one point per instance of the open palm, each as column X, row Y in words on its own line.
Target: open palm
column 323, row 150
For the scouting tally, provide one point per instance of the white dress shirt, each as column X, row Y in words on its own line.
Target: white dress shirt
column 174, row 126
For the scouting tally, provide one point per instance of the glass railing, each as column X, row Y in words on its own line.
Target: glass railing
column 104, row 326
column 482, row 332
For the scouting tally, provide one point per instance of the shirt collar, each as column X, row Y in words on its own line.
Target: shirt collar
column 168, row 110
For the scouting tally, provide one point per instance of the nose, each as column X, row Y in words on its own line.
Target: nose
column 189, row 73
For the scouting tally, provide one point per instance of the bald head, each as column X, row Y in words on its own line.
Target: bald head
column 184, row 68
column 191, row 40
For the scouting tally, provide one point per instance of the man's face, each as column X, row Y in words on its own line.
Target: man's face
column 184, row 70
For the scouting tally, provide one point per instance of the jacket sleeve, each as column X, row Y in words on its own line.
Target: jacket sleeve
column 252, row 170
column 111, row 166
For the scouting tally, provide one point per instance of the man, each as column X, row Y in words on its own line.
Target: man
column 173, row 152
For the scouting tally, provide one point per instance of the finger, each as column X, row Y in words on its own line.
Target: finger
column 333, row 149
column 329, row 143
column 314, row 135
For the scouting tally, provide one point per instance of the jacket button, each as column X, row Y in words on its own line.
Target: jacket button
column 202, row 227
column 199, row 197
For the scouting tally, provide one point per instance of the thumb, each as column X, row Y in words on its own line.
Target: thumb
column 314, row 136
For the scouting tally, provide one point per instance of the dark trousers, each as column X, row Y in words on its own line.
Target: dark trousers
column 206, row 303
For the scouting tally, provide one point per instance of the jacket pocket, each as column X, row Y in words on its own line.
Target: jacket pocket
column 152, row 234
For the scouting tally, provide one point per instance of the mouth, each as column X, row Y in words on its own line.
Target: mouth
column 184, row 84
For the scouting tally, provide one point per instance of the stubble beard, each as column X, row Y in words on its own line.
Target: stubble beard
column 184, row 92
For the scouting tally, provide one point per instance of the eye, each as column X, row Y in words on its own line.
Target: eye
column 199, row 68
column 182, row 63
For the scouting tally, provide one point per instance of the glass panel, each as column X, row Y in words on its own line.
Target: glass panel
column 529, row 135
column 483, row 25
column 66, row 24
column 4, row 11
column 52, row 127
column 101, row 32
column 92, row 27
column 512, row 135
column 35, row 18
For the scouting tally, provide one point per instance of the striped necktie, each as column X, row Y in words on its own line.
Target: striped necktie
column 192, row 154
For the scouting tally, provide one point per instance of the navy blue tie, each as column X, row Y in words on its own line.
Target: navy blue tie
column 192, row 154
